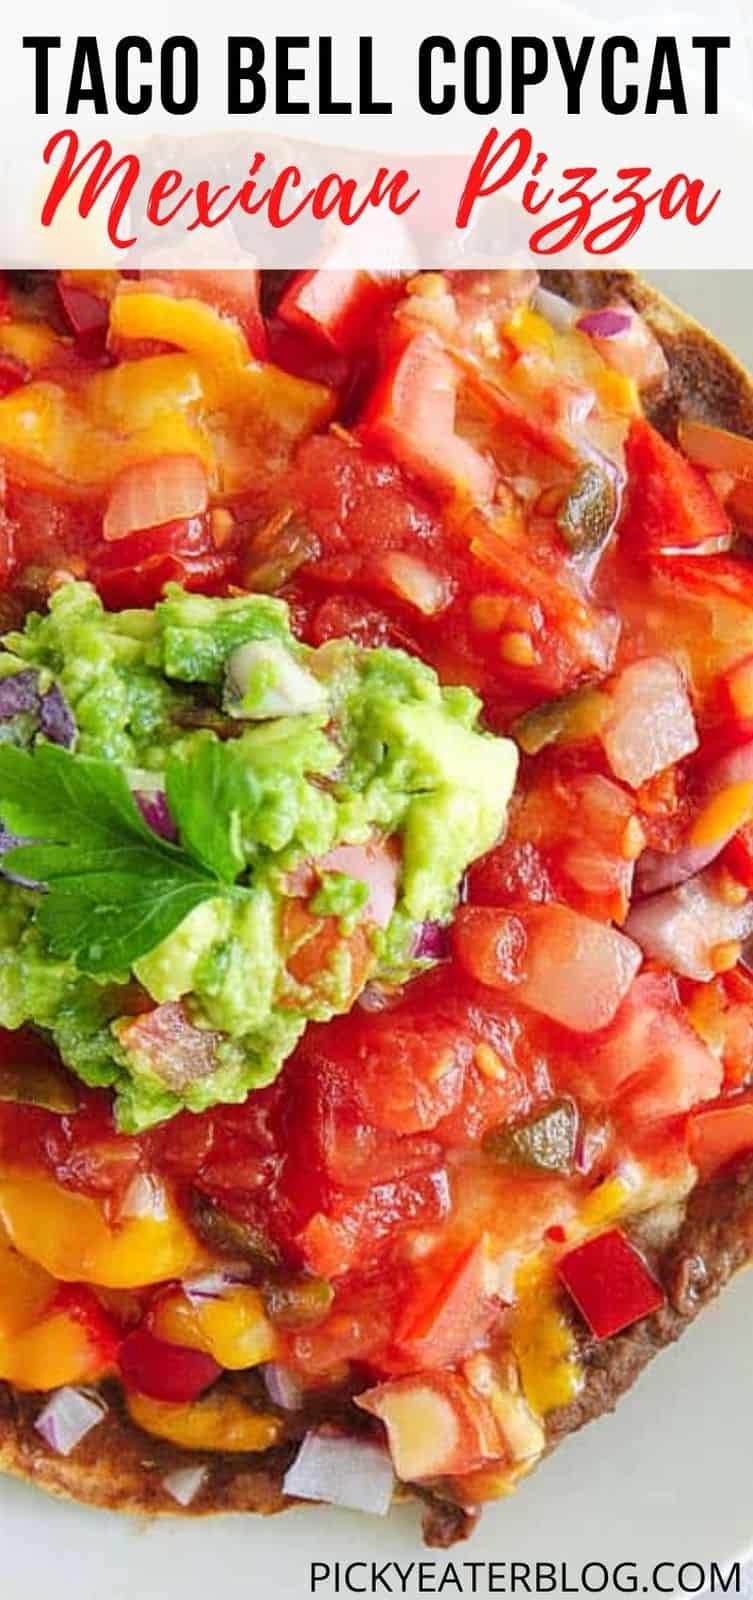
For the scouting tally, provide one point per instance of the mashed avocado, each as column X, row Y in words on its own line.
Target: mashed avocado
column 245, row 832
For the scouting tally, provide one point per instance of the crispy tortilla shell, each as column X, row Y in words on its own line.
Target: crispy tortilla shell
column 120, row 1467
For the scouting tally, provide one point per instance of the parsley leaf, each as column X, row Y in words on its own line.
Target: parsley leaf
column 115, row 890
column 209, row 791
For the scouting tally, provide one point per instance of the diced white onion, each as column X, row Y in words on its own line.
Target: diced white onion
column 185, row 1483
column 149, row 493
column 144, row 1197
column 416, row 583
column 652, row 723
column 67, row 1418
column 288, row 689
column 557, row 311
column 353, row 1473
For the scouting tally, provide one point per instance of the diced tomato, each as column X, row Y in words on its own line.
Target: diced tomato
column 512, row 873
column 13, row 373
column 356, row 504
column 81, row 1304
column 338, row 1143
column 87, row 315
column 651, row 1061
column 610, row 1283
column 409, row 1070
column 164, row 1371
column 720, row 1132
column 336, row 306
column 670, row 503
column 411, row 415
column 444, row 1322
column 346, row 616
column 356, row 1229
column 133, row 571
column 315, row 941
column 738, row 855
column 307, row 357
column 575, row 833
column 360, row 1326
column 566, row 966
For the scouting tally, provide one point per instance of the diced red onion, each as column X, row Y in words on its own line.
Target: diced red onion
column 682, row 927
column 19, row 693
column 353, row 1473
column 554, row 308
column 67, row 1418
column 432, row 942
column 156, row 813
column 56, row 720
column 282, row 1388
column 605, row 324
column 184, row 1484
column 10, row 841
column 659, row 869
column 214, row 1285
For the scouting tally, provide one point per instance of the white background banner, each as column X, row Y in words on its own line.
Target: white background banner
column 432, row 134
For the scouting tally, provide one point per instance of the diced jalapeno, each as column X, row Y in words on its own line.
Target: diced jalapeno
column 297, row 1302
column 579, row 715
column 35, row 1084
column 588, row 513
column 544, row 1143
column 229, row 1236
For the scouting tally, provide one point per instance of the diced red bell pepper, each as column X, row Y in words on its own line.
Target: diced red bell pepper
column 412, row 415
column 670, row 502
column 88, row 316
column 335, row 306
column 165, row 1371
column 13, row 373
column 610, row 1283
column 718, row 1133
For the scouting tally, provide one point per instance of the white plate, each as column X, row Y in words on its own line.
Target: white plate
column 667, row 1479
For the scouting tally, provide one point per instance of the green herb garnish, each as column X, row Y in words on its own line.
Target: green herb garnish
column 114, row 889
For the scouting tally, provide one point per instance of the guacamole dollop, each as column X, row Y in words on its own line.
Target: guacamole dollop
column 243, row 834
